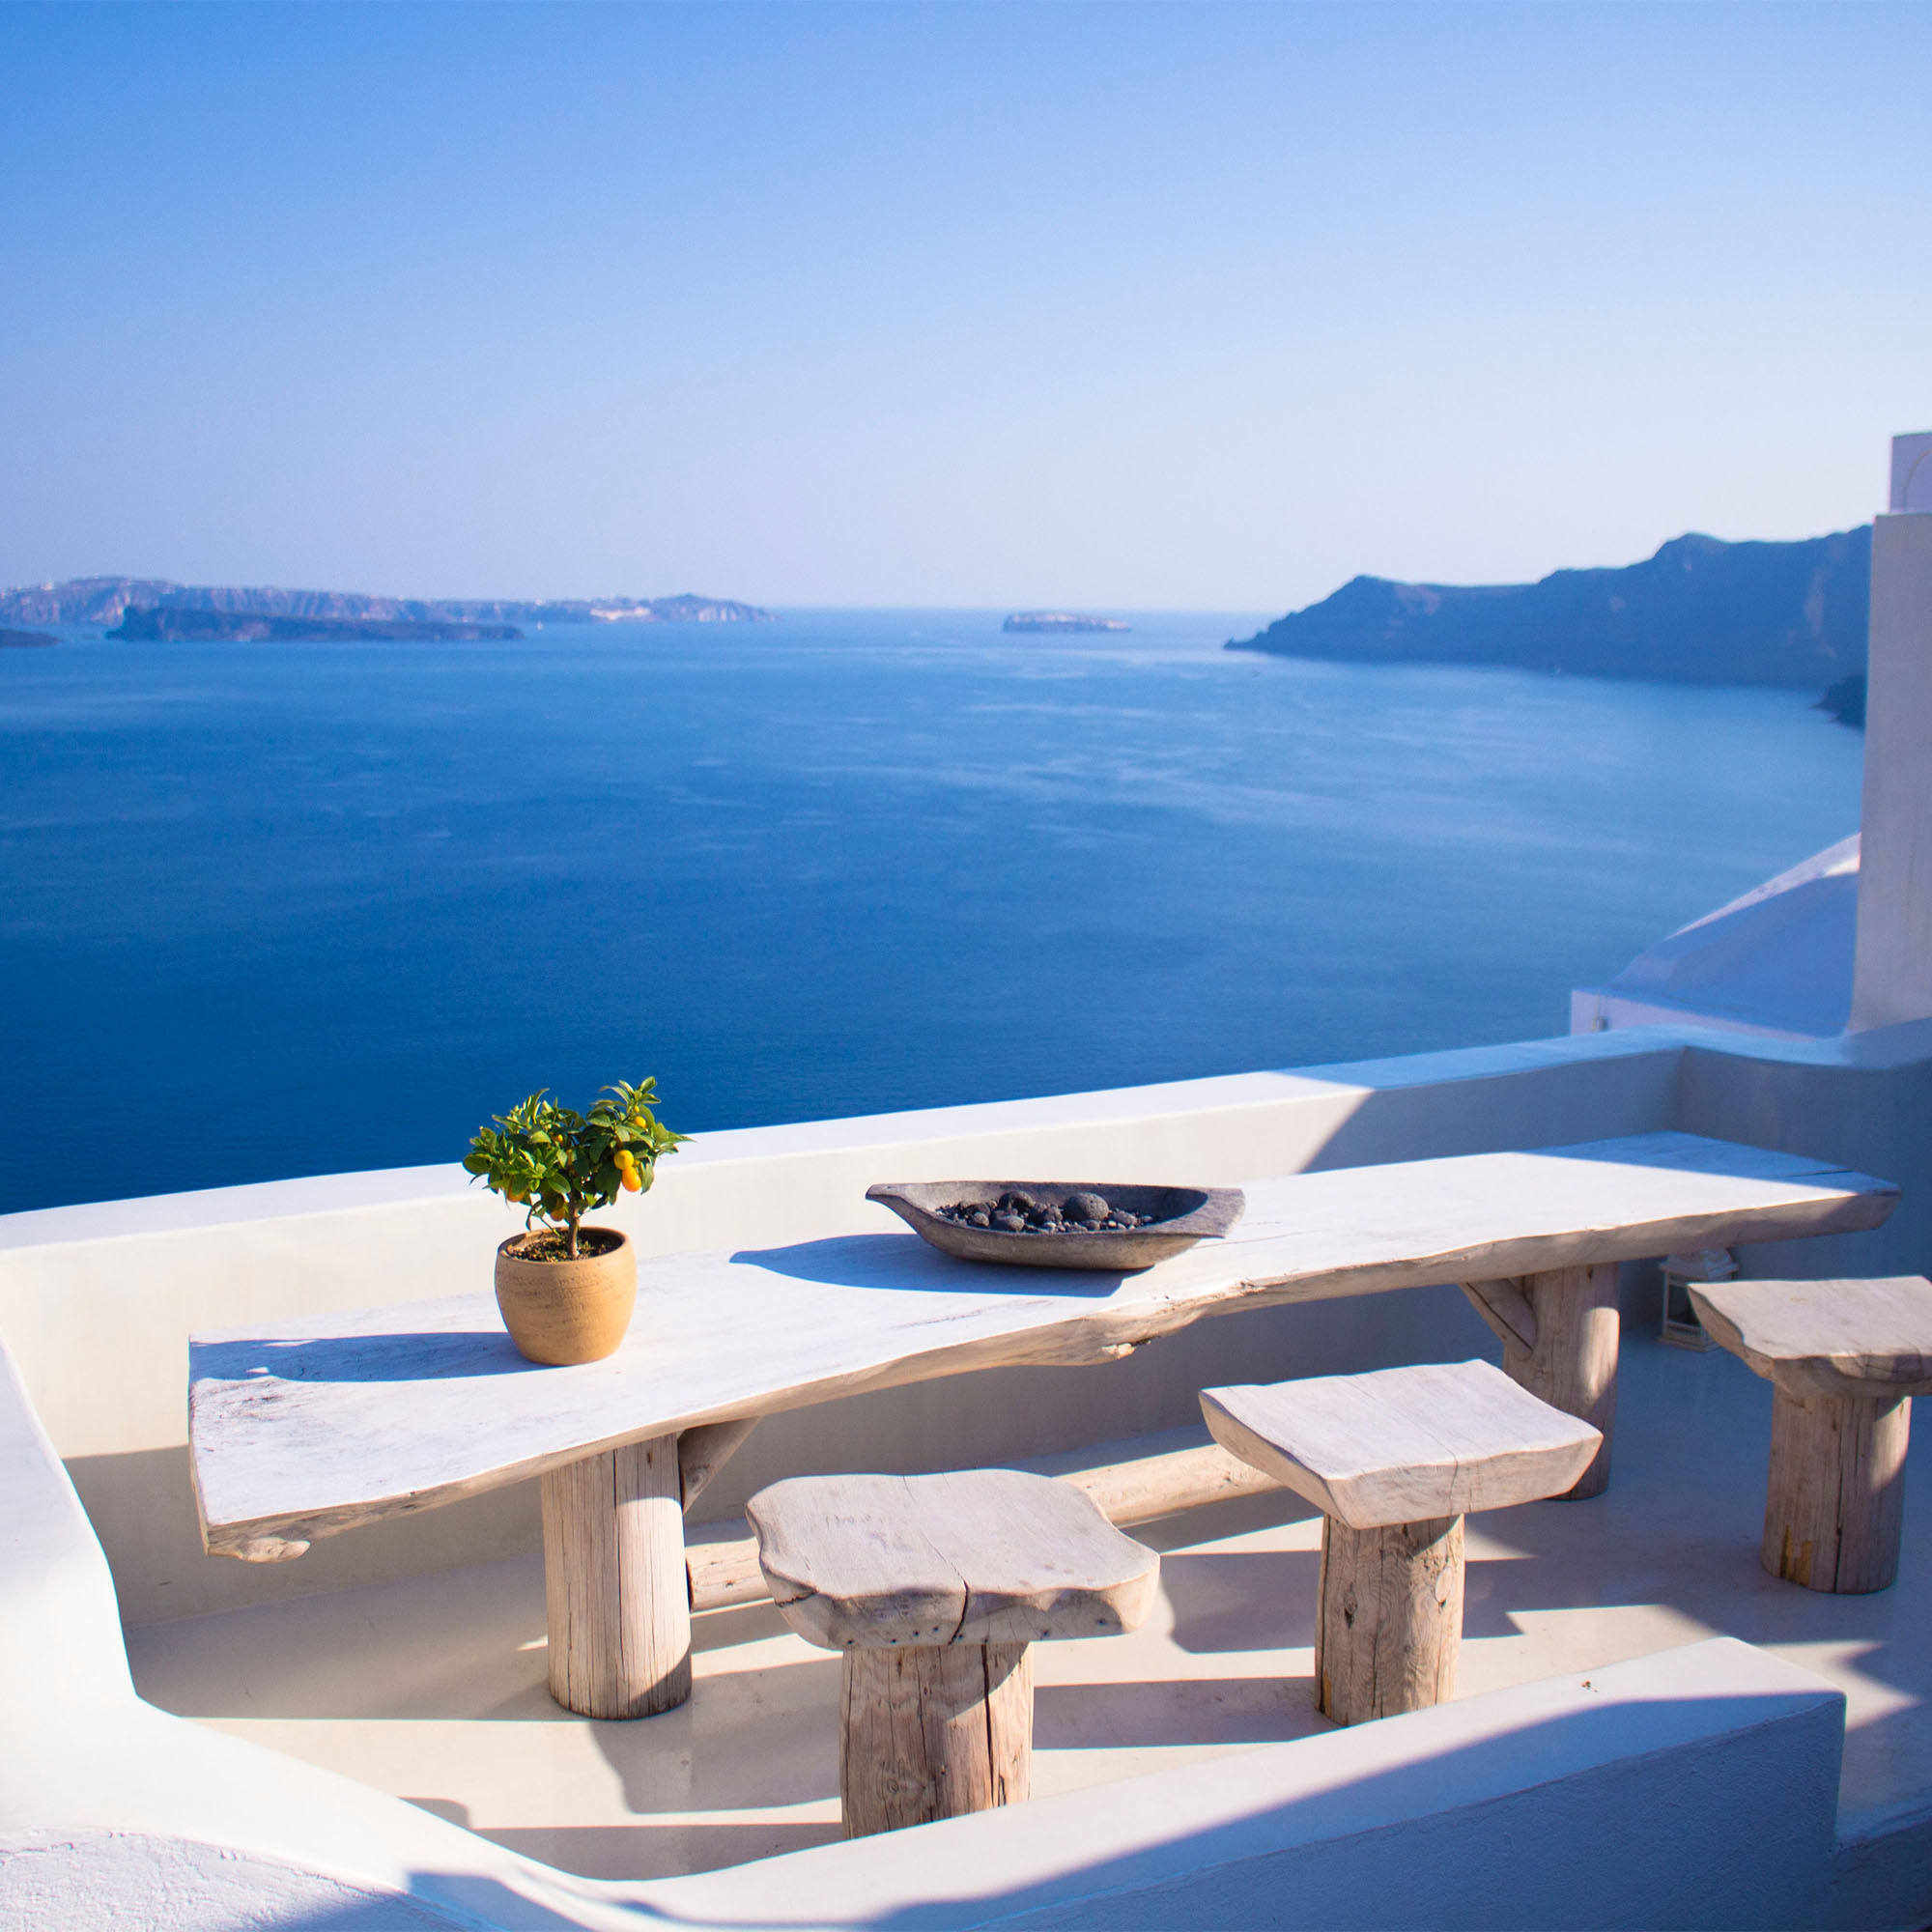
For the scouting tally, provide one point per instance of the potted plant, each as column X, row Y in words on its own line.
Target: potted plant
column 565, row 1290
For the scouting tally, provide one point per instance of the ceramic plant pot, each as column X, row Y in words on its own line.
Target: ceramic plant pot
column 568, row 1311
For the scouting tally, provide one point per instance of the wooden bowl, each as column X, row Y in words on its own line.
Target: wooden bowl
column 1182, row 1216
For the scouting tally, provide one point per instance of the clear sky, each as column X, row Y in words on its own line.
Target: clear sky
column 1190, row 306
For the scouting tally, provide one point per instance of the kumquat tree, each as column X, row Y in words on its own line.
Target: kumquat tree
column 561, row 1165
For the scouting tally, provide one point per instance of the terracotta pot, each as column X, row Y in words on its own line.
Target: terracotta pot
column 561, row 1312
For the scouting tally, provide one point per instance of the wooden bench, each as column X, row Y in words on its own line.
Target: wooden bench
column 933, row 1587
column 318, row 1424
column 1844, row 1359
column 1394, row 1460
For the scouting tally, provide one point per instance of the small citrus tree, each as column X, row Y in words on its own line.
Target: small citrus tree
column 561, row 1165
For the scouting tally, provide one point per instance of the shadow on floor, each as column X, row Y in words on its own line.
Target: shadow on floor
column 1241, row 1600
column 1191, row 1711
column 659, row 1851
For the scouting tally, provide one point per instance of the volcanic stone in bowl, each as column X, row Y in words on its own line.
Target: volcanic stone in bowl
column 1065, row 1224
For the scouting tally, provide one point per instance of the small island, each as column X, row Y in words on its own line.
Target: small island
column 24, row 640
column 176, row 624
column 1061, row 622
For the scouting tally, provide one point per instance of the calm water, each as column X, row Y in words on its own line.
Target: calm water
column 296, row 909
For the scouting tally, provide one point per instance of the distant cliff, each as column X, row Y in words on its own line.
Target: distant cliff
column 1845, row 701
column 1699, row 612
column 104, row 600
column 176, row 625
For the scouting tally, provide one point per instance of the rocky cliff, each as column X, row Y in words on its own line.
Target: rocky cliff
column 1699, row 612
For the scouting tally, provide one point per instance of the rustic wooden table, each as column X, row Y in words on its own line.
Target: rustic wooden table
column 337, row 1420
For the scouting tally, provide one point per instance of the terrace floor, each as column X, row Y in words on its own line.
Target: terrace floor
column 433, row 1688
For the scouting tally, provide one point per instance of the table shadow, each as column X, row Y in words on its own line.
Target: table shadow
column 438, row 1356
column 905, row 1263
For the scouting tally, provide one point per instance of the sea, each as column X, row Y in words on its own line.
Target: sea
column 270, row 910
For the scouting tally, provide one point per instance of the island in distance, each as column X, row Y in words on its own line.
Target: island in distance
column 163, row 610
column 1699, row 612
column 1061, row 622
column 181, row 624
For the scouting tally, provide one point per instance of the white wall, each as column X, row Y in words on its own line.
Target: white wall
column 1892, row 978
column 1693, row 1788
column 98, row 1302
column 1697, row 1787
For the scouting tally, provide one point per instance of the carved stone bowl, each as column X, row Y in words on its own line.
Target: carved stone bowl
column 1182, row 1216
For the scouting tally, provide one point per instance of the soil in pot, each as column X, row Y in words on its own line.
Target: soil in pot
column 560, row 1311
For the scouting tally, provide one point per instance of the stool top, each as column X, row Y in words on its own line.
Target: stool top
column 973, row 1557
column 1827, row 1338
column 1403, row 1445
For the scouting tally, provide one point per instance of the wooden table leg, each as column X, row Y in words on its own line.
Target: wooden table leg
column 1388, row 1618
column 614, row 1587
column 931, row 1731
column 1834, row 1505
column 1560, row 1332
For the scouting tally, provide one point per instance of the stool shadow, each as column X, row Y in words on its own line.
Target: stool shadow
column 1176, row 1711
column 648, row 1850
column 1241, row 1600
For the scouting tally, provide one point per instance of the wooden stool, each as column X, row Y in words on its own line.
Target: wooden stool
column 1393, row 1460
column 1844, row 1359
column 933, row 1586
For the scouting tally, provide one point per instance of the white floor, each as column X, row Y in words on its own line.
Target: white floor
column 433, row 1689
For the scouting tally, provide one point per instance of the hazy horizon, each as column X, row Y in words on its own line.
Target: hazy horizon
column 1107, row 306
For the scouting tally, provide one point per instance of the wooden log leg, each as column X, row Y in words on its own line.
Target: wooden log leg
column 1572, row 1364
column 615, row 1587
column 933, row 1731
column 1388, row 1619
column 1835, row 1501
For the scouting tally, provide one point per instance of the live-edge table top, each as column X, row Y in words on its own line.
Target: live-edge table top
column 330, row 1421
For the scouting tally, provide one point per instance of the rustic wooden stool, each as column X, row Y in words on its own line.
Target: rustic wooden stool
column 1844, row 1359
column 1393, row 1460
column 933, row 1586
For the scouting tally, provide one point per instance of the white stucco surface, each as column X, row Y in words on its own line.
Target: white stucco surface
column 1777, row 961
column 84, row 1881
column 1895, row 947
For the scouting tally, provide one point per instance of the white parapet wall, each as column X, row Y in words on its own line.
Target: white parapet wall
column 1696, row 1787
column 97, row 1302
column 1563, row 1803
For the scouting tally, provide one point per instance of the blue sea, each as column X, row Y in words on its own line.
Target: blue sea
column 276, row 909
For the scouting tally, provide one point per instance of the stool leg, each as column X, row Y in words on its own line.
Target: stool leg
column 1835, row 1499
column 614, row 1587
column 1573, row 1363
column 933, row 1731
column 1388, row 1619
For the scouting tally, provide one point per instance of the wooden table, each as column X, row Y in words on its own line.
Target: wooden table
column 337, row 1420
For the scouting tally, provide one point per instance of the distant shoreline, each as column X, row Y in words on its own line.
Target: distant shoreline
column 175, row 625
column 107, row 601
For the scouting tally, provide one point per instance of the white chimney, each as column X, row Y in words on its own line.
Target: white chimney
column 1892, row 980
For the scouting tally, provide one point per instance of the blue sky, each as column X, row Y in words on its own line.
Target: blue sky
column 1135, row 306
